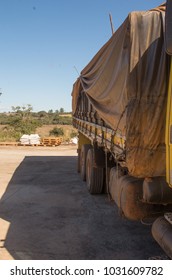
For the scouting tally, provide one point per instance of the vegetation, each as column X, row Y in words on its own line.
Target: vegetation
column 73, row 134
column 57, row 131
column 22, row 120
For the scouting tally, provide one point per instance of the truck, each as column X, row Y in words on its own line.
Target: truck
column 122, row 109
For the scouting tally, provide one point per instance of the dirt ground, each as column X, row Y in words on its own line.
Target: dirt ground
column 47, row 213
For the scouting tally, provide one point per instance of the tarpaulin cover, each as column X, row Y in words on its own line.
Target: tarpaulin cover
column 126, row 82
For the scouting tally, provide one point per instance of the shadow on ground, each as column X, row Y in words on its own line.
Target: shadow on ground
column 52, row 216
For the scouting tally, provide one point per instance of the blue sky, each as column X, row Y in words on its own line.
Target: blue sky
column 42, row 41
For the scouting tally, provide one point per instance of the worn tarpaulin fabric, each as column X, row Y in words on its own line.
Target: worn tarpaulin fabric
column 126, row 82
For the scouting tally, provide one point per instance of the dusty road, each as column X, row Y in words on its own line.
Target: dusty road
column 47, row 213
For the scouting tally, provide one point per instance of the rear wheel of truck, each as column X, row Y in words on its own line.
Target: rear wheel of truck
column 94, row 175
column 82, row 160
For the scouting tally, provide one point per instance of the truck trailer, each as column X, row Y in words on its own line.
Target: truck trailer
column 122, row 109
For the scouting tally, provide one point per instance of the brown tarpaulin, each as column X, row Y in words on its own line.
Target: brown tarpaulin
column 126, row 82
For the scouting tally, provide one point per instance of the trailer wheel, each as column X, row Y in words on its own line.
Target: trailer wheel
column 83, row 157
column 94, row 175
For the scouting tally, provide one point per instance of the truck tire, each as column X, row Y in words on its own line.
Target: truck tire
column 94, row 175
column 83, row 157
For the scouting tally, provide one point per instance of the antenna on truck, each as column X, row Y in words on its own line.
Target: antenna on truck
column 111, row 23
column 76, row 70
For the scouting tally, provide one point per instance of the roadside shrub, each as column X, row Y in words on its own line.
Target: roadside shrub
column 56, row 131
column 73, row 134
column 62, row 120
column 9, row 134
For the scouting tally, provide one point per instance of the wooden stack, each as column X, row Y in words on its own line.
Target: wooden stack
column 51, row 141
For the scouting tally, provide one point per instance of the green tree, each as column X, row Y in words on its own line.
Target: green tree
column 22, row 121
column 22, row 110
column 16, row 109
column 61, row 110
column 42, row 114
